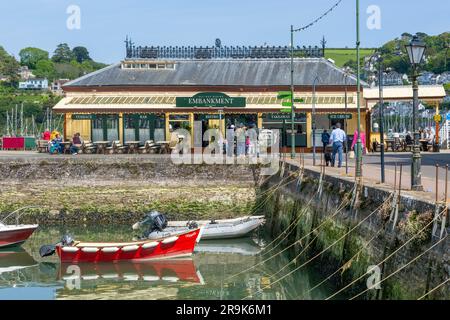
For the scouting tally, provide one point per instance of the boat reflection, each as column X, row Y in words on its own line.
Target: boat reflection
column 243, row 246
column 15, row 259
column 171, row 270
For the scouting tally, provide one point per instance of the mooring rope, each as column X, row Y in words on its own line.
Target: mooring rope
column 289, row 246
column 347, row 262
column 386, row 259
column 292, row 225
column 340, row 208
column 434, row 289
column 267, row 195
column 320, row 253
column 399, row 269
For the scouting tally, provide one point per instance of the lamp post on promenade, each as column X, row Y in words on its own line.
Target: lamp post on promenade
column 416, row 51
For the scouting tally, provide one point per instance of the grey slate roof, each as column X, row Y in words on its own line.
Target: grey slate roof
column 221, row 72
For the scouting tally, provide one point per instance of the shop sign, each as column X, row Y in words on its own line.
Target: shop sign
column 83, row 116
column 340, row 116
column 179, row 117
column 299, row 117
column 211, row 99
column 211, row 117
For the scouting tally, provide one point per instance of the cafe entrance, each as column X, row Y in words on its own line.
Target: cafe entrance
column 143, row 127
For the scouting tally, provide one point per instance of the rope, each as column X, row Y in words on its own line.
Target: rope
column 434, row 289
column 386, row 259
column 294, row 223
column 288, row 247
column 320, row 253
column 319, row 18
column 400, row 269
column 346, row 263
column 306, row 247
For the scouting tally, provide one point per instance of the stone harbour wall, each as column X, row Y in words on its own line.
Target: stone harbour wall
column 121, row 190
column 369, row 243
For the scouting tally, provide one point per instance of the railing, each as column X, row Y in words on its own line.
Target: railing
column 18, row 215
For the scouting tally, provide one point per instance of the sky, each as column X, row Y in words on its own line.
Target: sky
column 104, row 24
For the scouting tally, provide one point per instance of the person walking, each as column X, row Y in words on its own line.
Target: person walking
column 325, row 139
column 240, row 140
column 363, row 140
column 337, row 138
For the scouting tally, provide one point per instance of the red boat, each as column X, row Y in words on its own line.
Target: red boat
column 181, row 245
column 14, row 235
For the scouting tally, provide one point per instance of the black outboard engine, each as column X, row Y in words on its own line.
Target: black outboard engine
column 158, row 221
column 154, row 221
column 67, row 240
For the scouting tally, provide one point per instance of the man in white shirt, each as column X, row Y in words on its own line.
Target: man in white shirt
column 338, row 138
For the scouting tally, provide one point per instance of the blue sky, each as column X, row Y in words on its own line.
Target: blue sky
column 105, row 23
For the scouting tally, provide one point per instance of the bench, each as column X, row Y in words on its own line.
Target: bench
column 147, row 148
column 42, row 146
column 88, row 147
column 116, row 147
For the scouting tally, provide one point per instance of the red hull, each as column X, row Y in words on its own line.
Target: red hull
column 15, row 237
column 182, row 246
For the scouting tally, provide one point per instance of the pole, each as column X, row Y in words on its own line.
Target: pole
column 345, row 123
column 381, row 110
column 416, row 174
column 358, row 170
column 292, row 95
column 314, row 121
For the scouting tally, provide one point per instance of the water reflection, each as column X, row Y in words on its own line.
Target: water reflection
column 214, row 272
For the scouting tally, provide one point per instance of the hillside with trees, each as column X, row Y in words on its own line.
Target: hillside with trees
column 64, row 63
column 395, row 56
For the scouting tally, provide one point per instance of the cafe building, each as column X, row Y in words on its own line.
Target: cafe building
column 157, row 89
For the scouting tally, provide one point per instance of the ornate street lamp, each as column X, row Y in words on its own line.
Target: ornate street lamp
column 416, row 50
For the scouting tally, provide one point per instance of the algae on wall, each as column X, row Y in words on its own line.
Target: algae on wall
column 126, row 202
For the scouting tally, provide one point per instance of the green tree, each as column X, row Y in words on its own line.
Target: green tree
column 63, row 53
column 45, row 69
column 9, row 67
column 31, row 56
column 81, row 54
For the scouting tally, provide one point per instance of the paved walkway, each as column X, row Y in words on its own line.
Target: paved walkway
column 372, row 171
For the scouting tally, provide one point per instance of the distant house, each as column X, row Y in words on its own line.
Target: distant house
column 444, row 78
column 25, row 73
column 427, row 78
column 56, row 86
column 34, row 84
column 393, row 78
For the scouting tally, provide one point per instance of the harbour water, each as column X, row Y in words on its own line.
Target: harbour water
column 226, row 269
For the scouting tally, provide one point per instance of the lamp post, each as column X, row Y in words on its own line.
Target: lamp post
column 316, row 79
column 346, row 75
column 292, row 96
column 381, row 111
column 378, row 58
column 358, row 169
column 416, row 50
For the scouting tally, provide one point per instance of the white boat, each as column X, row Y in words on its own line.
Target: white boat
column 213, row 229
column 15, row 235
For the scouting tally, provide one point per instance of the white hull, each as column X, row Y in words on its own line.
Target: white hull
column 221, row 229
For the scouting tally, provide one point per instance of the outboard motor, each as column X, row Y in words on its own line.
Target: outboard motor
column 159, row 221
column 67, row 240
column 154, row 221
column 50, row 249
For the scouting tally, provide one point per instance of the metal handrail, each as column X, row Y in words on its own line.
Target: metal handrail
column 18, row 216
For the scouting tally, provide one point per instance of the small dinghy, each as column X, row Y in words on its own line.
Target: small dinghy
column 70, row 251
column 158, row 226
